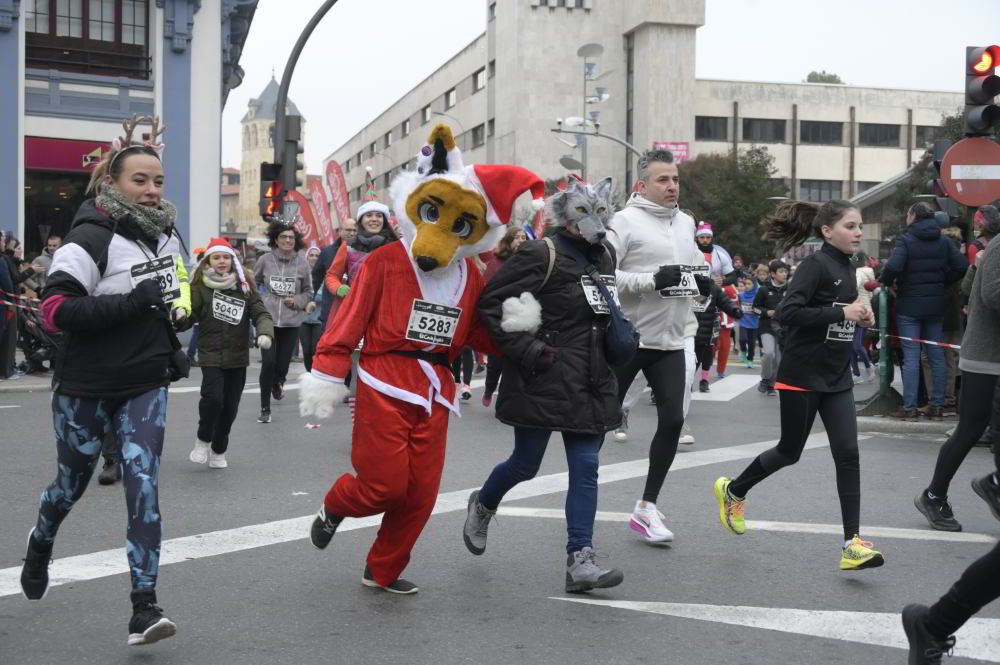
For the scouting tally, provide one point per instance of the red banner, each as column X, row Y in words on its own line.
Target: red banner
column 321, row 212
column 62, row 154
column 338, row 190
column 306, row 224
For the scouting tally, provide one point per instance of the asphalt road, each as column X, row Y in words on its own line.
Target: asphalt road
column 245, row 587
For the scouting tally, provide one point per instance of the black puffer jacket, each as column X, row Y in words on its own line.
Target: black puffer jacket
column 578, row 393
column 707, row 313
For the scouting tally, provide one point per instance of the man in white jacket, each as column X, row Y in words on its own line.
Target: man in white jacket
column 660, row 269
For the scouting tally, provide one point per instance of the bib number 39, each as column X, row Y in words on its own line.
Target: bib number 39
column 431, row 323
column 162, row 270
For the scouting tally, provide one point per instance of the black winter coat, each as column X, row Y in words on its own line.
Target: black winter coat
column 768, row 298
column 707, row 313
column 578, row 393
column 922, row 265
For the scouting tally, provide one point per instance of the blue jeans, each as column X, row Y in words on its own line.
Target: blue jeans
column 929, row 328
column 581, row 499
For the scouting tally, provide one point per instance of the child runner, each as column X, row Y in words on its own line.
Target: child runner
column 820, row 311
column 224, row 299
column 765, row 304
column 748, row 323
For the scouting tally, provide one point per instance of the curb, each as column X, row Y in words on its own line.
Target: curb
column 884, row 425
column 18, row 387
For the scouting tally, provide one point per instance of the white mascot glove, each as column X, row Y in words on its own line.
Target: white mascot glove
column 521, row 314
column 263, row 342
column 318, row 397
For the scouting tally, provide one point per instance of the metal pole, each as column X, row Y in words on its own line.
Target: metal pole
column 280, row 129
column 617, row 140
column 884, row 350
column 583, row 118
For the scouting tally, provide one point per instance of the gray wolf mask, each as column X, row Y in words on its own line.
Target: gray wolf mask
column 583, row 206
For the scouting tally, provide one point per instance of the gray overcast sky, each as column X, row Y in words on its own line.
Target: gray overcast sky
column 366, row 53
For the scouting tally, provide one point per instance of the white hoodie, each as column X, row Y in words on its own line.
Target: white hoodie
column 646, row 236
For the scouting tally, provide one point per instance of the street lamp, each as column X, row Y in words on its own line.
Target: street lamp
column 452, row 118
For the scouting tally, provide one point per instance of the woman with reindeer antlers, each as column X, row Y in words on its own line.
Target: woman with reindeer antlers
column 117, row 289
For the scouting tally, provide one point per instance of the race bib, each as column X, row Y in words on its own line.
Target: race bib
column 162, row 270
column 593, row 294
column 687, row 288
column 227, row 308
column 747, row 307
column 701, row 307
column 843, row 331
column 431, row 323
column 281, row 286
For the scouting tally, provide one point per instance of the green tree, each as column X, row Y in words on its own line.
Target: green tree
column 732, row 194
column 823, row 77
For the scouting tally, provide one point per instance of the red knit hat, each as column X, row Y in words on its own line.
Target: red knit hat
column 221, row 245
column 501, row 184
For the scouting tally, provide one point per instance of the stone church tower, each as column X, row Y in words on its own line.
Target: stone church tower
column 258, row 146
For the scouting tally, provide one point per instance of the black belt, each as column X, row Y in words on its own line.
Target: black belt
column 433, row 358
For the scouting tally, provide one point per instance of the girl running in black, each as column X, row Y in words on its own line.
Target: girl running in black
column 819, row 313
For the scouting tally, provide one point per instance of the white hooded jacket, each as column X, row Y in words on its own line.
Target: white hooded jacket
column 646, row 236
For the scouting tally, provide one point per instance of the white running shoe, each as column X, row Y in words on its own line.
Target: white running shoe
column 217, row 461
column 200, row 453
column 687, row 438
column 648, row 522
column 621, row 434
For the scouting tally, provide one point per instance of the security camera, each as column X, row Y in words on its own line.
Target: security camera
column 559, row 121
column 597, row 126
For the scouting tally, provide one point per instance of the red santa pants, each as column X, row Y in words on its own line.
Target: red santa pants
column 398, row 454
column 725, row 341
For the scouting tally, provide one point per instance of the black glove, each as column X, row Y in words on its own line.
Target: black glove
column 666, row 277
column 738, row 313
column 180, row 319
column 146, row 294
column 704, row 283
column 545, row 359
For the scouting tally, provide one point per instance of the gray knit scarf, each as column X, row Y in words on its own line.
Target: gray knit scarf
column 214, row 280
column 148, row 222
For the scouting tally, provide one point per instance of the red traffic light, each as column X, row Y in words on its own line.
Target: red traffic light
column 983, row 59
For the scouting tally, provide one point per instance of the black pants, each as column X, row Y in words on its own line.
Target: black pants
column 703, row 354
column 8, row 345
column 798, row 411
column 275, row 362
column 494, row 368
column 309, row 335
column 664, row 370
column 221, row 390
column 748, row 341
column 979, row 585
column 463, row 366
column 974, row 412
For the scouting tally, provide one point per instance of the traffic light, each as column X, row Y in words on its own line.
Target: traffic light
column 293, row 152
column 981, row 86
column 272, row 192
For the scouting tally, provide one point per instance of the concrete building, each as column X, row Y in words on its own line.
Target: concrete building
column 606, row 61
column 230, row 201
column 73, row 69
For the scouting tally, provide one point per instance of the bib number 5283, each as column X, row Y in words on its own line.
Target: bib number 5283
column 431, row 323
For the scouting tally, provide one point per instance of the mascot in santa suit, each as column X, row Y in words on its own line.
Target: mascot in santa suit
column 414, row 305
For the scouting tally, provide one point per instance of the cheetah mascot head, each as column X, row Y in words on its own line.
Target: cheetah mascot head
column 448, row 211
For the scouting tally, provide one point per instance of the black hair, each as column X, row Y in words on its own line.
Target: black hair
column 275, row 229
column 776, row 265
column 794, row 222
column 921, row 210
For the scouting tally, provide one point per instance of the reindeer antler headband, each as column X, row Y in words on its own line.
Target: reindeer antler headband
column 127, row 142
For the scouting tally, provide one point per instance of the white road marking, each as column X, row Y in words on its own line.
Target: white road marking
column 178, row 550
column 788, row 527
column 11, row 406
column 728, row 388
column 979, row 638
column 476, row 383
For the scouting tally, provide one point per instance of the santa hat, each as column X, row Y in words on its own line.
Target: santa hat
column 501, row 184
column 704, row 229
column 373, row 206
column 222, row 246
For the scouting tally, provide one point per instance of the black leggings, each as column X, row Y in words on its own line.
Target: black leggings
column 974, row 412
column 979, row 585
column 309, row 335
column 748, row 341
column 664, row 370
column 463, row 366
column 703, row 354
column 798, row 411
column 494, row 368
column 275, row 362
column 221, row 390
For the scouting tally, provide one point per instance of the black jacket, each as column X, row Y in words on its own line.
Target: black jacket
column 818, row 340
column 112, row 349
column 326, row 256
column 707, row 313
column 578, row 393
column 769, row 297
column 922, row 265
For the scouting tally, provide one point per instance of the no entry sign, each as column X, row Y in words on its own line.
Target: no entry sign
column 970, row 171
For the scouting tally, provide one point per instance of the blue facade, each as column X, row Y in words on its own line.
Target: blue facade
column 10, row 51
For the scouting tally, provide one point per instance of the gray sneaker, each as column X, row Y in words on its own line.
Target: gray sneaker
column 621, row 434
column 583, row 573
column 687, row 438
column 477, row 522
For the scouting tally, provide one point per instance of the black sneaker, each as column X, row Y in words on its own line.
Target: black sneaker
column 35, row 572
column 937, row 511
column 400, row 586
column 925, row 649
column 323, row 528
column 988, row 492
column 771, row 392
column 111, row 473
column 278, row 392
column 762, row 387
column 148, row 625
column 265, row 416
column 703, row 386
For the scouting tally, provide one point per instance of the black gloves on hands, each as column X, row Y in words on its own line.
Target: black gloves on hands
column 666, row 277
column 546, row 358
column 179, row 317
column 146, row 294
column 704, row 283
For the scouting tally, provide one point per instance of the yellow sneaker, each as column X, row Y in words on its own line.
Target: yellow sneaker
column 730, row 509
column 859, row 555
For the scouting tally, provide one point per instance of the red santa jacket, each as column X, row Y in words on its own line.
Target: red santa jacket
column 378, row 309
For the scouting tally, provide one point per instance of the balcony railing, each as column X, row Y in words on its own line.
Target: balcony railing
column 134, row 65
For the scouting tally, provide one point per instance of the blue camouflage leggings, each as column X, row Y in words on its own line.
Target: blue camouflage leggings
column 138, row 424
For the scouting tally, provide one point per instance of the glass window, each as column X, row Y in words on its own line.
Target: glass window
column 450, row 98
column 388, row 139
column 405, row 127
column 37, row 16
column 490, row 127
column 102, row 20
column 425, row 115
column 865, row 185
column 479, row 80
column 926, row 135
column 710, row 129
column 347, row 166
column 493, row 11
column 386, row 179
column 69, row 18
column 492, row 68
column 764, row 130
column 478, row 136
column 133, row 21
column 371, row 149
column 825, row 133
column 819, row 190
column 870, row 133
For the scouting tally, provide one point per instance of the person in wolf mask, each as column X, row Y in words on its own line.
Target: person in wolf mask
column 549, row 319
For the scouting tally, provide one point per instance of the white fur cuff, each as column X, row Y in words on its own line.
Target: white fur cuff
column 318, row 396
column 522, row 314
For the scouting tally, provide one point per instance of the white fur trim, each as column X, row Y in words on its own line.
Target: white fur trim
column 521, row 314
column 263, row 342
column 537, row 204
column 319, row 396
